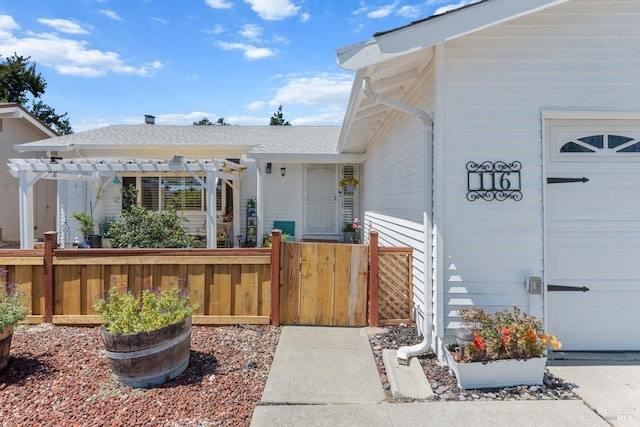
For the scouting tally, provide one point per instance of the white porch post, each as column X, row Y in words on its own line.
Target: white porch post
column 236, row 209
column 260, row 207
column 25, row 195
column 212, row 183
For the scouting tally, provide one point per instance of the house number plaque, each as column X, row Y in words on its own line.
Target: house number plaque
column 493, row 181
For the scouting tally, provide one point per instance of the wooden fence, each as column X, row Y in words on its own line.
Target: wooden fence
column 331, row 285
column 324, row 284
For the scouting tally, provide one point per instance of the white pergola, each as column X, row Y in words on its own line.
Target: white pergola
column 29, row 171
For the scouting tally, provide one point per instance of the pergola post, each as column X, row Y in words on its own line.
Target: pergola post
column 259, row 207
column 25, row 201
column 235, row 184
column 212, row 183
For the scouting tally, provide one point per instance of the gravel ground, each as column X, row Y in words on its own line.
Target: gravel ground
column 59, row 376
column 445, row 385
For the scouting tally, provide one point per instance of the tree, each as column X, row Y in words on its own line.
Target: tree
column 48, row 115
column 19, row 82
column 206, row 122
column 203, row 122
column 278, row 119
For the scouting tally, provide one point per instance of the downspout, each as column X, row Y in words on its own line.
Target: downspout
column 406, row 352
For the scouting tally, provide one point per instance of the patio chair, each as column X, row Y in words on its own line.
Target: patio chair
column 288, row 228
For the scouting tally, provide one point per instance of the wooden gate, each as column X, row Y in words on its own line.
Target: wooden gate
column 324, row 284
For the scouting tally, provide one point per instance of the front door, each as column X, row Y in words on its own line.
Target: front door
column 321, row 201
column 592, row 220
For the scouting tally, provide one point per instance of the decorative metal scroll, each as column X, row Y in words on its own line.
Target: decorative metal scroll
column 494, row 181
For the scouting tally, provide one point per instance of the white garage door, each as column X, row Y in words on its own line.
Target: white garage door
column 592, row 243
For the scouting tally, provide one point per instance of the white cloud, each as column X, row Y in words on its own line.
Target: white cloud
column 323, row 89
column 219, row 4
column 409, row 11
column 248, row 120
column 66, row 56
column 304, row 17
column 332, row 116
column 156, row 65
column 7, row 26
column 251, row 32
column 273, row 10
column 454, row 6
column 281, row 40
column 111, row 14
column 218, row 29
column 256, row 105
column 251, row 52
column 160, row 20
column 382, row 12
column 63, row 26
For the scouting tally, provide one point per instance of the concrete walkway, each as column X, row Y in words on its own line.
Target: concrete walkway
column 327, row 377
column 318, row 365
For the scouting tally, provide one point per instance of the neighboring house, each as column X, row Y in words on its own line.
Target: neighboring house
column 17, row 126
column 545, row 92
column 292, row 173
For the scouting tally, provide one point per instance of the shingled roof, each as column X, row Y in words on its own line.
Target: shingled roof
column 256, row 139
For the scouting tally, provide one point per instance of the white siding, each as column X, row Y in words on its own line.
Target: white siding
column 283, row 196
column 393, row 198
column 582, row 54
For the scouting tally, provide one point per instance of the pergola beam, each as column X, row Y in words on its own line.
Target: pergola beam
column 29, row 171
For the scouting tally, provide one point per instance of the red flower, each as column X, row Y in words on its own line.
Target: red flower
column 505, row 336
column 478, row 341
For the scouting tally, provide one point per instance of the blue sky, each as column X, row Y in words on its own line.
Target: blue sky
column 112, row 61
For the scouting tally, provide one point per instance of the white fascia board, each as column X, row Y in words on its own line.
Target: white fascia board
column 436, row 30
column 308, row 158
column 30, row 147
column 361, row 55
column 177, row 148
column 354, row 99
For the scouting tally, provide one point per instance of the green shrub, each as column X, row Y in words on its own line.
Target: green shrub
column 11, row 310
column 124, row 312
column 143, row 228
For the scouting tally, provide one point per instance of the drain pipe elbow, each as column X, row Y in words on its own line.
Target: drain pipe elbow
column 407, row 352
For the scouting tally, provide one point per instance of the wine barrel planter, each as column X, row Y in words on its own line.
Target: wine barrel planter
column 148, row 359
column 6, row 334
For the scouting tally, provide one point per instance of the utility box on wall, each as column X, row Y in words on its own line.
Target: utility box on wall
column 533, row 285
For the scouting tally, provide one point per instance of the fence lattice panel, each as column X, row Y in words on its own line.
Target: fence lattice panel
column 395, row 290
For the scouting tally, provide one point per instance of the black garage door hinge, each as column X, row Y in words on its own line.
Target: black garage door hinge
column 559, row 288
column 566, row 180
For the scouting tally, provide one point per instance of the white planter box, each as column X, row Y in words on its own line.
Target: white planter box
column 497, row 373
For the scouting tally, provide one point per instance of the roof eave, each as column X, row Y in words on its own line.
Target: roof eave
column 307, row 158
column 435, row 30
column 17, row 111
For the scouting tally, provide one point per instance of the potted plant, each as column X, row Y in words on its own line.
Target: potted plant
column 351, row 230
column 11, row 312
column 348, row 184
column 88, row 224
column 147, row 337
column 500, row 350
